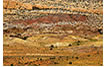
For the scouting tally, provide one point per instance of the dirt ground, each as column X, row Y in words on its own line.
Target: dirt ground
column 50, row 51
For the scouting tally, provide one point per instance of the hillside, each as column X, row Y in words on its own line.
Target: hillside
column 53, row 32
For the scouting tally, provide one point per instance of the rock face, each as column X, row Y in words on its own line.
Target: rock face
column 45, row 32
column 30, row 9
column 43, row 17
column 57, row 22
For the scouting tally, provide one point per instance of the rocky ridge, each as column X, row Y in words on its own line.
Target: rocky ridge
column 15, row 10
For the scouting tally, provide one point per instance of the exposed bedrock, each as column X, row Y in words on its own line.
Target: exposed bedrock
column 75, row 24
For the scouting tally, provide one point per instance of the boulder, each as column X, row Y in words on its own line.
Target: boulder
column 12, row 5
column 27, row 6
column 5, row 3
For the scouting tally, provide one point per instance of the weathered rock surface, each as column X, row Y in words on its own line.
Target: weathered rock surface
column 49, row 7
column 45, row 32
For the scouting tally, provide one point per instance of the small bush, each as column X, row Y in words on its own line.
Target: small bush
column 11, row 64
column 77, row 57
column 70, row 45
column 70, row 62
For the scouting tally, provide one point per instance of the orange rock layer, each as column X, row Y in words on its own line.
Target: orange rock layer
column 19, row 5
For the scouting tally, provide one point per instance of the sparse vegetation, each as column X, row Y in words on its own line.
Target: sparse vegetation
column 70, row 62
column 52, row 32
